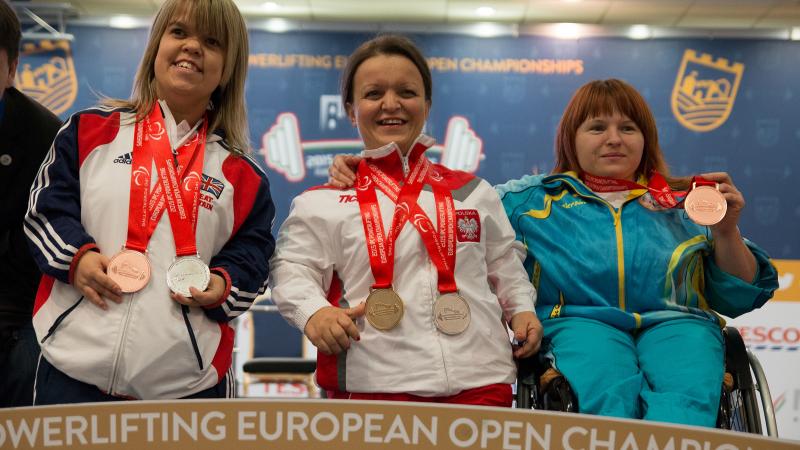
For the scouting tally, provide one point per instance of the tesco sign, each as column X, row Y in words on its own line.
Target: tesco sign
column 772, row 335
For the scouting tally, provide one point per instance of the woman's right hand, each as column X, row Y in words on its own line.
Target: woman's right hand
column 330, row 329
column 91, row 280
column 342, row 172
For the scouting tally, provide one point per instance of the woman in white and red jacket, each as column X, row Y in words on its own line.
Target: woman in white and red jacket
column 425, row 254
column 153, row 340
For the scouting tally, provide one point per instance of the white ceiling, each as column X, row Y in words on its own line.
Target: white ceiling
column 705, row 14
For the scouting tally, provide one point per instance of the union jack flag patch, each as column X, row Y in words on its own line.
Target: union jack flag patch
column 468, row 225
column 212, row 185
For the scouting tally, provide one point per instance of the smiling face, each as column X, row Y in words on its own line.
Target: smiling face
column 189, row 63
column 609, row 146
column 388, row 102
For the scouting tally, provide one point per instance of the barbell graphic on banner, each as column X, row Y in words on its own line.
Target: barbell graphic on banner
column 462, row 147
column 284, row 151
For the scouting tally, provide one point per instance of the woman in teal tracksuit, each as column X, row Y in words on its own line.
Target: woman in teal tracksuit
column 629, row 288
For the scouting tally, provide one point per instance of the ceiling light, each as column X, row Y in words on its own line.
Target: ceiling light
column 639, row 32
column 488, row 29
column 485, row 11
column 276, row 25
column 122, row 22
column 270, row 6
column 566, row 31
column 795, row 34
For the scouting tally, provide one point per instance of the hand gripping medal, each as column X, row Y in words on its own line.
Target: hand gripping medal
column 130, row 269
column 705, row 204
column 186, row 272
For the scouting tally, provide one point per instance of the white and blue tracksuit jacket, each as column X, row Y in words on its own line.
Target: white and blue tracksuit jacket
column 147, row 347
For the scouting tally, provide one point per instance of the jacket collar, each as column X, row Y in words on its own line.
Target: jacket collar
column 390, row 159
column 573, row 180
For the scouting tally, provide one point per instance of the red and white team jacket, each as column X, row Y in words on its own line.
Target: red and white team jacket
column 321, row 259
column 147, row 347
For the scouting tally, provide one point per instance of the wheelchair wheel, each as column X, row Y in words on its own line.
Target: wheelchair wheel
column 739, row 408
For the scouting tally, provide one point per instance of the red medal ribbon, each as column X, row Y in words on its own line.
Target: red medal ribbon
column 441, row 245
column 658, row 187
column 151, row 143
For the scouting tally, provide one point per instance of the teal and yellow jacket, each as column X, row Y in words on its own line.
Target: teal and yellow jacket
column 630, row 267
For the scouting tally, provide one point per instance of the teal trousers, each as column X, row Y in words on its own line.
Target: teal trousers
column 670, row 372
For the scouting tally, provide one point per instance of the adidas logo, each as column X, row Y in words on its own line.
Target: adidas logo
column 127, row 158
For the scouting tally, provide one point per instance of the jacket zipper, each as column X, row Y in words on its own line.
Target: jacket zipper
column 118, row 356
column 185, row 311
column 60, row 319
column 617, row 215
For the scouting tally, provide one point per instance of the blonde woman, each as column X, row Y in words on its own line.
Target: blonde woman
column 151, row 224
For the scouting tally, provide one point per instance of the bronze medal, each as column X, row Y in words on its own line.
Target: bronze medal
column 384, row 309
column 451, row 314
column 705, row 205
column 130, row 270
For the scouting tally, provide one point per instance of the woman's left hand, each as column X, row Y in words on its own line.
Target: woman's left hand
column 212, row 294
column 528, row 331
column 734, row 198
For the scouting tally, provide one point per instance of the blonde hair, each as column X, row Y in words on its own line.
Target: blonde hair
column 221, row 19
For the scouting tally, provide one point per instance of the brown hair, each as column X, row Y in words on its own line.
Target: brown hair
column 387, row 44
column 605, row 97
column 221, row 19
column 9, row 31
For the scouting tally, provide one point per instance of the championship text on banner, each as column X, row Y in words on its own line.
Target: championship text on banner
column 314, row 424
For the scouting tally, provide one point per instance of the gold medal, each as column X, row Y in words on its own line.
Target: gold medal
column 384, row 309
column 451, row 314
column 705, row 205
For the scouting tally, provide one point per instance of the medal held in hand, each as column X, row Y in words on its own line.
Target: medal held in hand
column 384, row 309
column 705, row 204
column 186, row 272
column 130, row 269
column 451, row 314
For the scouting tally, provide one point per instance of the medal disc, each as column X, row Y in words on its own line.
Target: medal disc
column 384, row 309
column 451, row 314
column 130, row 270
column 186, row 272
column 705, row 205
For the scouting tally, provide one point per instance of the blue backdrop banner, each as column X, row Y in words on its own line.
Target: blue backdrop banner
column 721, row 105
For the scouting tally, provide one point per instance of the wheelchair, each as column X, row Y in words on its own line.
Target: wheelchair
column 540, row 386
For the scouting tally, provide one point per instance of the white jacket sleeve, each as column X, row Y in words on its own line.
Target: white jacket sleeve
column 504, row 257
column 302, row 266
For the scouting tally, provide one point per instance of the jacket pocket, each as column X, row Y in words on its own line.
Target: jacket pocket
column 190, row 330
column 60, row 319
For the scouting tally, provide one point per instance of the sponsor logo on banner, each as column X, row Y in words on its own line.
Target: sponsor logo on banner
column 705, row 90
column 47, row 74
column 771, row 337
column 285, row 152
column 788, row 280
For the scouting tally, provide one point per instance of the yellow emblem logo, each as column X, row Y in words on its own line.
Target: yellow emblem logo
column 47, row 74
column 704, row 91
